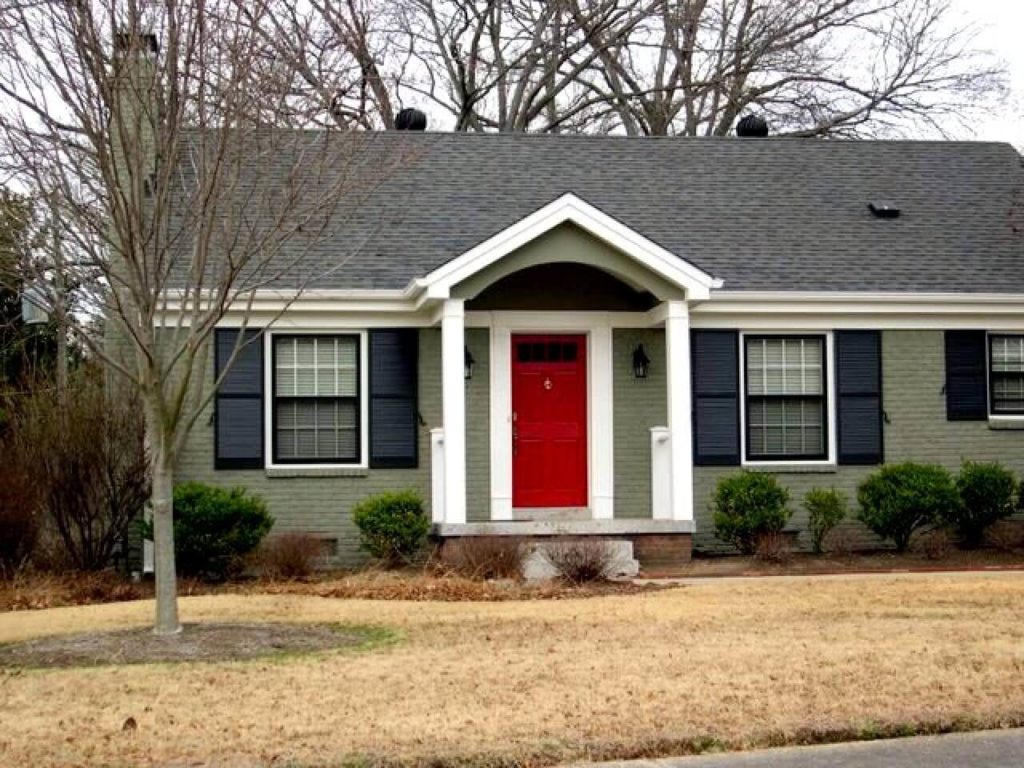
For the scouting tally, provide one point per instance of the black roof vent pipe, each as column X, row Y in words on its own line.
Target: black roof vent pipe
column 752, row 126
column 410, row 119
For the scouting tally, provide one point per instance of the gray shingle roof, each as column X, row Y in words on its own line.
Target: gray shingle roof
column 762, row 214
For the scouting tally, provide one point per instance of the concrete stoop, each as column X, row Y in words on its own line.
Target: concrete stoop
column 537, row 566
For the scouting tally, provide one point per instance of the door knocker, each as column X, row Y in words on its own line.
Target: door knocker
column 547, row 383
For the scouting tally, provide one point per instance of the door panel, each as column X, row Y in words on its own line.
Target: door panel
column 549, row 421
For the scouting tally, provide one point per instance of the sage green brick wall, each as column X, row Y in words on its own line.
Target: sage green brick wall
column 638, row 404
column 913, row 377
column 322, row 505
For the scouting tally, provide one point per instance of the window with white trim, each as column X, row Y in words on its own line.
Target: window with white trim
column 316, row 408
column 786, row 409
column 1006, row 374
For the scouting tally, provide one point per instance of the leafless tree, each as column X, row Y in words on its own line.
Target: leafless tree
column 814, row 67
column 655, row 67
column 142, row 126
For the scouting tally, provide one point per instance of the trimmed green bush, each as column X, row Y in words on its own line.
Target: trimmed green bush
column 392, row 526
column 899, row 499
column 988, row 493
column 747, row 506
column 214, row 529
column 826, row 508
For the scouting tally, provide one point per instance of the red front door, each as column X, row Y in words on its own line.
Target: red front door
column 549, row 421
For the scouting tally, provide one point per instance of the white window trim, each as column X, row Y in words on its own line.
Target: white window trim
column 1011, row 418
column 830, row 401
column 268, row 398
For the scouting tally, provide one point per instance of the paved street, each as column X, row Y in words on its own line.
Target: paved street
column 984, row 749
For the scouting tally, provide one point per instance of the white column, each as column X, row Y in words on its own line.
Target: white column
column 602, row 435
column 677, row 353
column 453, row 399
column 501, row 423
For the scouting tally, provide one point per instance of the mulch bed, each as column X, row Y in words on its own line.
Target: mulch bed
column 197, row 642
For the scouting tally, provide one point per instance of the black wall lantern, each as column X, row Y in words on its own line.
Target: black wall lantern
column 469, row 362
column 641, row 362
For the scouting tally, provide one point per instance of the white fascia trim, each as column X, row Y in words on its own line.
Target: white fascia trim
column 859, row 303
column 570, row 208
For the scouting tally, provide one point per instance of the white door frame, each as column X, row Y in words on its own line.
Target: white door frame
column 597, row 328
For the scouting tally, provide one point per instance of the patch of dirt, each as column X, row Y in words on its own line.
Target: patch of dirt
column 197, row 642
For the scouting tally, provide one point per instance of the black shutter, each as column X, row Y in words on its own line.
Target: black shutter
column 238, row 407
column 393, row 414
column 716, row 398
column 966, row 390
column 859, row 401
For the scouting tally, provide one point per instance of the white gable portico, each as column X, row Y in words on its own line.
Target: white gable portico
column 668, row 282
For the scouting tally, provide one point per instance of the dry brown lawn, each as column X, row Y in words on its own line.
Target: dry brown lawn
column 734, row 663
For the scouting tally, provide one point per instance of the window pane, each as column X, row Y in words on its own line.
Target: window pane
column 318, row 429
column 1007, row 354
column 317, row 366
column 786, row 427
column 1007, row 393
column 778, row 365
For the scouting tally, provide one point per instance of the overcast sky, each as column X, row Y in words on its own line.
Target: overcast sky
column 1001, row 25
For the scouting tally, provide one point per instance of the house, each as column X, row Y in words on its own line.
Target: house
column 584, row 334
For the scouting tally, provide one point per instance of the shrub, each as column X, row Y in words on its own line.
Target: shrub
column 988, row 493
column 214, row 529
column 86, row 450
column 772, row 547
column 839, row 542
column 483, row 557
column 582, row 561
column 19, row 513
column 1006, row 535
column 935, row 544
column 825, row 510
column 289, row 556
column 747, row 505
column 392, row 526
column 899, row 499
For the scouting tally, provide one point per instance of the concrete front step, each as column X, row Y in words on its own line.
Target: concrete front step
column 551, row 514
column 538, row 567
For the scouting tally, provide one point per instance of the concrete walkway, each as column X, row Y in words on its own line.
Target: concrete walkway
column 983, row 749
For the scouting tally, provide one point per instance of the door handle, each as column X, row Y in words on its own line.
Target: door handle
column 515, row 435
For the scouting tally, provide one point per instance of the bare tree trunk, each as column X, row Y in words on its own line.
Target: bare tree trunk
column 162, row 501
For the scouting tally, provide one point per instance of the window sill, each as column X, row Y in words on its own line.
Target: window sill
column 316, row 471
column 1011, row 423
column 793, row 469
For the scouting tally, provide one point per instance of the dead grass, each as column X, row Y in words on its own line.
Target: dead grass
column 717, row 663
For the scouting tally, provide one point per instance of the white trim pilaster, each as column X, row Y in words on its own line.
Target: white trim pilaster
column 677, row 354
column 453, row 398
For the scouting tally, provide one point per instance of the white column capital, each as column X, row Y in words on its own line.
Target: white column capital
column 453, row 308
column 677, row 309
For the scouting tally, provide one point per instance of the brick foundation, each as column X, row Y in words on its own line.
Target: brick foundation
column 661, row 551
